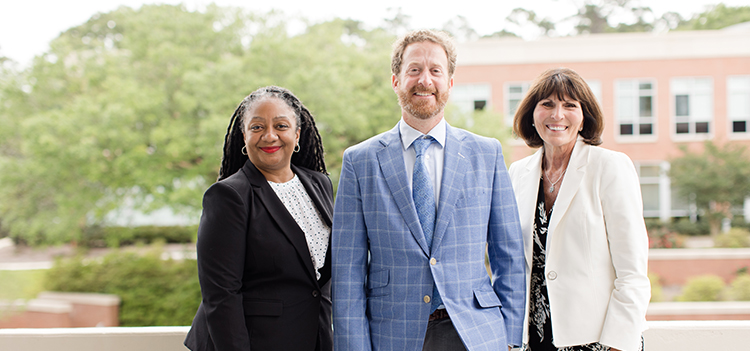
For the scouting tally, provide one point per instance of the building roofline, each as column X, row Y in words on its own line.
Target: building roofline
column 607, row 47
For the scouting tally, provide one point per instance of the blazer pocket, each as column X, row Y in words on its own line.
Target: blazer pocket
column 377, row 281
column 487, row 298
column 471, row 198
column 255, row 307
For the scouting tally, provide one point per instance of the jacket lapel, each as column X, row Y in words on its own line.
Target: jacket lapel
column 391, row 161
column 450, row 188
column 278, row 212
column 526, row 195
column 570, row 184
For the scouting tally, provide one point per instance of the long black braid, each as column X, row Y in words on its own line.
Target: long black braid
column 310, row 153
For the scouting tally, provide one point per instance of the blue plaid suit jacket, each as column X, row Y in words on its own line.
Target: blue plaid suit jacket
column 383, row 268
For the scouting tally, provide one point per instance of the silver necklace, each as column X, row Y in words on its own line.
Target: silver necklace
column 552, row 187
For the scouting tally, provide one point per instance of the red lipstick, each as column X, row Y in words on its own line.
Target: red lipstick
column 271, row 149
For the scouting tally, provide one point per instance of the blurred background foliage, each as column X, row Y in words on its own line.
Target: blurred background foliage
column 132, row 106
column 152, row 291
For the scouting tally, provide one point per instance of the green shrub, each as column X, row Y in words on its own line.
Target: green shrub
column 656, row 293
column 653, row 224
column 740, row 288
column 153, row 291
column 738, row 221
column 702, row 288
column 685, row 227
column 734, row 238
column 662, row 238
column 118, row 236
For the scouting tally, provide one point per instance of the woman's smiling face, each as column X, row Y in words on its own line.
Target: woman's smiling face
column 271, row 133
column 558, row 121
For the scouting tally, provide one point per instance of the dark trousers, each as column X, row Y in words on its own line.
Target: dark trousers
column 442, row 336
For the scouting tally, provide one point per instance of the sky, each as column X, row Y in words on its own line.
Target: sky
column 28, row 26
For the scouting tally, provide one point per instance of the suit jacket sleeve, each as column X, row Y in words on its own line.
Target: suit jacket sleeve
column 349, row 257
column 628, row 244
column 221, row 259
column 505, row 252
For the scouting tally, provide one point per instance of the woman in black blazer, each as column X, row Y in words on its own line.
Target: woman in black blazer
column 264, row 234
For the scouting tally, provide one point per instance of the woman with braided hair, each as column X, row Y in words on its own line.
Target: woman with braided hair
column 263, row 238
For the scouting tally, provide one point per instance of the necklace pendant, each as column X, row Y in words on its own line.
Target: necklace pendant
column 552, row 188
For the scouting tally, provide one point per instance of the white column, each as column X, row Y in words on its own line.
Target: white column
column 665, row 193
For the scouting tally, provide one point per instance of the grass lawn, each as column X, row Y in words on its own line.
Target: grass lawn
column 21, row 284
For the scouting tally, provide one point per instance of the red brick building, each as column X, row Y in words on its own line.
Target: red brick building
column 657, row 91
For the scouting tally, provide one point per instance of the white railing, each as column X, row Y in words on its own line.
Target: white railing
column 661, row 336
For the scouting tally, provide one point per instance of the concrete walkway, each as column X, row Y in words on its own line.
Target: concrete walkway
column 28, row 258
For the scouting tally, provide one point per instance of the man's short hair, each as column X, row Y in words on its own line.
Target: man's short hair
column 418, row 36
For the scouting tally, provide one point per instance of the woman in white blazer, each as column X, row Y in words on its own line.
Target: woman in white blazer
column 581, row 214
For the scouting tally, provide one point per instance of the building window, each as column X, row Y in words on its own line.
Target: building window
column 635, row 107
column 596, row 88
column 738, row 104
column 693, row 105
column 471, row 97
column 514, row 93
column 649, row 175
column 479, row 105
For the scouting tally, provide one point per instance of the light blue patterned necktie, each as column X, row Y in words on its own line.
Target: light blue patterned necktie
column 424, row 200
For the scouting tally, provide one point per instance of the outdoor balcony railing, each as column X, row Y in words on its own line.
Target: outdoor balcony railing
column 661, row 336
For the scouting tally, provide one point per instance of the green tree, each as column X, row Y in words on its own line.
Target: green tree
column 460, row 29
column 101, row 117
column 133, row 106
column 519, row 16
column 717, row 17
column 596, row 16
column 716, row 178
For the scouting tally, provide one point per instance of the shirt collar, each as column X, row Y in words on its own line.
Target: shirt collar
column 409, row 134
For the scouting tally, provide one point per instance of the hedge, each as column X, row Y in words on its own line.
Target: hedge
column 154, row 292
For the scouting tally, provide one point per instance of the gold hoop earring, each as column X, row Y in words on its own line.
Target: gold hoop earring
column 244, row 150
column 296, row 148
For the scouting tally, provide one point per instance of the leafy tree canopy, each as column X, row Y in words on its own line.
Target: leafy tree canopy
column 717, row 17
column 715, row 179
column 613, row 16
column 133, row 105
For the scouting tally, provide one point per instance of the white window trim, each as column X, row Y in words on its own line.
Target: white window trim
column 673, row 112
column 473, row 85
column 730, row 134
column 637, row 139
column 507, row 116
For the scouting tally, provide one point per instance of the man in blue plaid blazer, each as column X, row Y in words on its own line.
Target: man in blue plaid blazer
column 395, row 288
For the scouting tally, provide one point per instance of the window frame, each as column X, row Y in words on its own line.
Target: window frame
column 692, row 119
column 731, row 118
column 507, row 114
column 636, row 120
column 466, row 100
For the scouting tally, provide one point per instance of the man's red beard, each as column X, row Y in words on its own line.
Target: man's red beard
column 423, row 108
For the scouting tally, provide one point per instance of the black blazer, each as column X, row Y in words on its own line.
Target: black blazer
column 257, row 279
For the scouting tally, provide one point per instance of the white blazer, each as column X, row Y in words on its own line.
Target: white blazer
column 597, row 247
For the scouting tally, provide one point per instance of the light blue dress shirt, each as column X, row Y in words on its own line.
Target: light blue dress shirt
column 434, row 156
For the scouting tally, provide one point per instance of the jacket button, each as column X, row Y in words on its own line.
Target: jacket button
column 552, row 275
column 315, row 293
column 433, row 261
column 427, row 299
